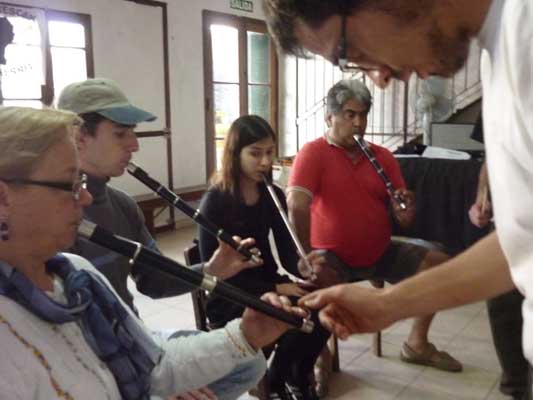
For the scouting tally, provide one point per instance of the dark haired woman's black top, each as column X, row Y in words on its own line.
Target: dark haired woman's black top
column 237, row 218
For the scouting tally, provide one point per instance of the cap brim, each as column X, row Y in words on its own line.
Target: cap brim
column 127, row 115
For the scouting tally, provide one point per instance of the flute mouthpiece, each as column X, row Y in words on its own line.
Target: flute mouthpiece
column 132, row 167
column 266, row 179
column 86, row 228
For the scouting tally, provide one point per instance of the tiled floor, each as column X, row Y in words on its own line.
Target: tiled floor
column 464, row 332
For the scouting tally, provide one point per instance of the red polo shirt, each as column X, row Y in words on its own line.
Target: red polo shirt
column 349, row 208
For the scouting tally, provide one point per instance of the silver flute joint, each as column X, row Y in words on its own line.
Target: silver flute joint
column 133, row 258
column 307, row 326
column 209, row 282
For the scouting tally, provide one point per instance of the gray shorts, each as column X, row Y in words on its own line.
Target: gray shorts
column 400, row 261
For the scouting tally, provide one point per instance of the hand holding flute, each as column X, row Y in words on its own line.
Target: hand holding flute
column 176, row 201
column 404, row 215
column 261, row 330
column 225, row 262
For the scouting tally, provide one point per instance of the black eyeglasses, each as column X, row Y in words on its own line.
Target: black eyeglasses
column 74, row 187
column 342, row 51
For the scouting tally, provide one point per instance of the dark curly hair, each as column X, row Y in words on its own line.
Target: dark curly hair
column 281, row 15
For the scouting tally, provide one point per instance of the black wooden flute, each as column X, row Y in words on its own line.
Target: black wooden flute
column 181, row 205
column 137, row 252
column 379, row 169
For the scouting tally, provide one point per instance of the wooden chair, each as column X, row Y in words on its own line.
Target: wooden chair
column 199, row 298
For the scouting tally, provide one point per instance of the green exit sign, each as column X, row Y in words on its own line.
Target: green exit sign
column 245, row 5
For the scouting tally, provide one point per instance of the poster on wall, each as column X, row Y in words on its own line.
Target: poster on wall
column 22, row 33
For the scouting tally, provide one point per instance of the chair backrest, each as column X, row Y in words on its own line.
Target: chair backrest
column 199, row 298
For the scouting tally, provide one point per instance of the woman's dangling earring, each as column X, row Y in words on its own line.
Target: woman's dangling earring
column 4, row 228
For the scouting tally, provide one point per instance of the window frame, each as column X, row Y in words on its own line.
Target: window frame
column 243, row 25
column 47, row 90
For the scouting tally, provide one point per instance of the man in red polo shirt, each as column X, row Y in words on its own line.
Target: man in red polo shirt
column 340, row 206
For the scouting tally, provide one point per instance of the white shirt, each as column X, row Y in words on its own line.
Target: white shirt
column 42, row 361
column 507, row 77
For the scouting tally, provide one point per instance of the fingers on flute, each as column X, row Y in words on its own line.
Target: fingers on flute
column 407, row 196
column 308, row 286
column 255, row 261
column 227, row 246
column 316, row 257
column 300, row 291
column 248, row 243
column 314, row 300
column 287, row 306
column 273, row 299
column 284, row 303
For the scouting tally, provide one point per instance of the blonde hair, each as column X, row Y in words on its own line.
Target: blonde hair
column 26, row 134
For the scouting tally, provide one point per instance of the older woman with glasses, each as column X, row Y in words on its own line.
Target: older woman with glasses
column 64, row 334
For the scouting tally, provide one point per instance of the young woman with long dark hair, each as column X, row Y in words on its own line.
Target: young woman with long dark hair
column 238, row 202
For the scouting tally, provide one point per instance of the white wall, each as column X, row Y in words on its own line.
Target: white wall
column 123, row 33
column 188, row 87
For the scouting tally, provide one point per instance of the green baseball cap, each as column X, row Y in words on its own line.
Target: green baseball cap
column 104, row 97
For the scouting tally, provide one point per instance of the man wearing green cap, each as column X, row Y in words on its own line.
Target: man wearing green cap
column 106, row 144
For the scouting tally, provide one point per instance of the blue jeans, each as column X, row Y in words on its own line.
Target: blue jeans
column 242, row 378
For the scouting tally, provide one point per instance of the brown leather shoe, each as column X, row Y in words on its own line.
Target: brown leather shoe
column 431, row 357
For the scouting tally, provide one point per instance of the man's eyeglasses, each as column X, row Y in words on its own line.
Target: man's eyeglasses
column 74, row 187
column 342, row 51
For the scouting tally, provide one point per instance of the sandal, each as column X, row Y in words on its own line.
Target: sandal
column 431, row 357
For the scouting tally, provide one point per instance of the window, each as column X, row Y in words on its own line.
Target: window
column 240, row 77
column 393, row 118
column 389, row 121
column 50, row 49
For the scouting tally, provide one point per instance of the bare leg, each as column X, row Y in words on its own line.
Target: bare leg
column 418, row 349
column 418, row 338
